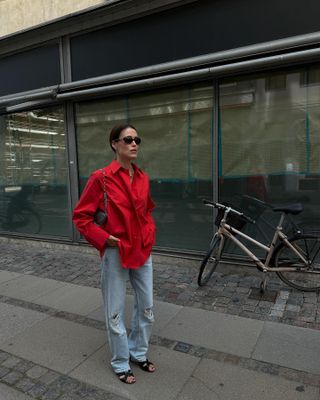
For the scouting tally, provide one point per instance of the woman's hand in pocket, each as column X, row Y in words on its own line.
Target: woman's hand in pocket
column 112, row 241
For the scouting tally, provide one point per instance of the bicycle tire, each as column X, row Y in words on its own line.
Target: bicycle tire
column 211, row 260
column 308, row 278
column 26, row 220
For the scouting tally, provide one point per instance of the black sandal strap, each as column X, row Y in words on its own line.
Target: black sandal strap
column 144, row 365
column 123, row 376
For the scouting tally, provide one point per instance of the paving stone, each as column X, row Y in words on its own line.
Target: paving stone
column 276, row 313
column 248, row 314
column 51, row 394
column 3, row 356
column 284, row 294
column 198, row 351
column 231, row 359
column 268, row 368
column 49, row 377
column 278, row 307
column 295, row 302
column 234, row 310
column 293, row 308
column 248, row 307
column 37, row 390
column 262, row 310
column 289, row 314
column 36, row 371
column 163, row 342
column 3, row 371
column 307, row 319
column 222, row 301
column 25, row 384
column 88, row 392
column 11, row 362
column 65, row 384
column 12, row 377
column 23, row 366
column 215, row 355
column 70, row 396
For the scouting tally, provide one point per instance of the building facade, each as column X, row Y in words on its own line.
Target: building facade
column 227, row 102
column 17, row 15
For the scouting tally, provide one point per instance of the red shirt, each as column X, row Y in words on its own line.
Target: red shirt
column 129, row 207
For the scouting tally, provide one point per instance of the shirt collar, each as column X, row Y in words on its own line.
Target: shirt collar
column 115, row 166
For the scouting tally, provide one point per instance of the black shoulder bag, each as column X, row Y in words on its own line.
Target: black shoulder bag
column 101, row 216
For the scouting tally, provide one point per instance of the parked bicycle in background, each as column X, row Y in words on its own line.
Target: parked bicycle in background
column 17, row 213
column 296, row 260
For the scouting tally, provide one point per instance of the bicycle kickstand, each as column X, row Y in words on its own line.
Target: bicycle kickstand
column 263, row 283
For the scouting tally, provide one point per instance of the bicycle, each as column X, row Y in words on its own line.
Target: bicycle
column 296, row 260
column 260, row 211
column 17, row 214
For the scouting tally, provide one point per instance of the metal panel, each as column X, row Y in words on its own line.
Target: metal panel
column 72, row 163
column 198, row 74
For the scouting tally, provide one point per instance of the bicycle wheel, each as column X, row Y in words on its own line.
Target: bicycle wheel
column 306, row 278
column 26, row 220
column 211, row 260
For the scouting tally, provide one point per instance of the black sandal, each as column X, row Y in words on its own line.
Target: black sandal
column 144, row 365
column 123, row 376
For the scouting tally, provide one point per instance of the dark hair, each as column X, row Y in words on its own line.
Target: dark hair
column 116, row 131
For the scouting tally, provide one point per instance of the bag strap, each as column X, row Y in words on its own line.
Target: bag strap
column 104, row 190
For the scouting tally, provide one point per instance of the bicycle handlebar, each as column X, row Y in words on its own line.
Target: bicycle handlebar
column 223, row 207
column 258, row 201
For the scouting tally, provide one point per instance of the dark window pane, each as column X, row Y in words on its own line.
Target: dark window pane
column 194, row 29
column 29, row 70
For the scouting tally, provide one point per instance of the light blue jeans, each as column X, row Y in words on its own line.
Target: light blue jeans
column 113, row 283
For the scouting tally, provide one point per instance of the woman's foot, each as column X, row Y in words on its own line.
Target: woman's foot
column 146, row 365
column 126, row 377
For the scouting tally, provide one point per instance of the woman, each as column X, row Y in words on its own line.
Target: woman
column 125, row 242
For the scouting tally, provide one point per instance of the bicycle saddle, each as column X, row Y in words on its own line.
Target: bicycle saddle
column 293, row 209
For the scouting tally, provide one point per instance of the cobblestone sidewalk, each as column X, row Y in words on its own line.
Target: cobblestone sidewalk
column 232, row 290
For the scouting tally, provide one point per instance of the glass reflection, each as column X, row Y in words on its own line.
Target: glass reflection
column 176, row 127
column 270, row 145
column 33, row 193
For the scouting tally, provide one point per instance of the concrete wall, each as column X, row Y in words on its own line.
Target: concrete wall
column 16, row 15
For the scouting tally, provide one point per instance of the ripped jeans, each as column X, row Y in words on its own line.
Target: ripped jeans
column 113, row 284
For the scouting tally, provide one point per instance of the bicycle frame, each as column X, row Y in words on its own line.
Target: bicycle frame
column 226, row 230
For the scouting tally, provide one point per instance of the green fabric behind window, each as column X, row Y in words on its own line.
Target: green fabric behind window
column 176, row 152
column 270, row 143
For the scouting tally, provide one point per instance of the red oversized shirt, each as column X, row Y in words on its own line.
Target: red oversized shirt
column 129, row 207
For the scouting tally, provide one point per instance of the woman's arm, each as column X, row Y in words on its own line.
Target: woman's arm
column 83, row 214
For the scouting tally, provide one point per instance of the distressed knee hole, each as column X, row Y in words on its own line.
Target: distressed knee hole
column 114, row 324
column 115, row 319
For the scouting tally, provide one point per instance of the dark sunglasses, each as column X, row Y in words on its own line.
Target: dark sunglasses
column 130, row 139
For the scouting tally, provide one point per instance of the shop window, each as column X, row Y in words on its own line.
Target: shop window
column 271, row 150
column 33, row 180
column 176, row 127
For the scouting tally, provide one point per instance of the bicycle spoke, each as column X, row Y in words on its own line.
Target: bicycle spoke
column 306, row 277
